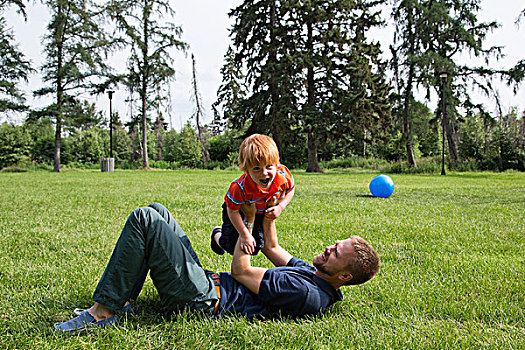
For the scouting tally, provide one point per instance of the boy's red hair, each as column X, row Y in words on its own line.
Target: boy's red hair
column 257, row 149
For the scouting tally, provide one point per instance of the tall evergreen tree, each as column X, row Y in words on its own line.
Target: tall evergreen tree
column 406, row 51
column 14, row 67
column 82, row 116
column 347, row 97
column 430, row 35
column 150, row 37
column 230, row 95
column 75, row 48
column 299, row 69
column 263, row 47
column 517, row 73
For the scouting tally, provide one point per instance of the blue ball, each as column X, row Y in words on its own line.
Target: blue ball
column 381, row 186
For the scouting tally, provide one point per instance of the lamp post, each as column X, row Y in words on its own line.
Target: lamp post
column 443, row 75
column 110, row 94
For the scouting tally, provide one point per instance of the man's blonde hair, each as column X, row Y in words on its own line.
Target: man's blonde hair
column 256, row 150
column 365, row 264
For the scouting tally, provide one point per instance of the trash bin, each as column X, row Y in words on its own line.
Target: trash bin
column 107, row 164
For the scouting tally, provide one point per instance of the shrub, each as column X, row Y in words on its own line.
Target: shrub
column 355, row 162
column 25, row 164
column 163, row 164
column 15, row 143
column 87, row 146
column 183, row 147
column 223, row 145
column 82, row 165
column 214, row 165
column 424, row 166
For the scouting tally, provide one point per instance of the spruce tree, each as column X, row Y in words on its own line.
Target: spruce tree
column 75, row 46
column 14, row 67
column 430, row 36
column 347, row 97
column 303, row 62
column 262, row 49
column 231, row 93
column 151, row 37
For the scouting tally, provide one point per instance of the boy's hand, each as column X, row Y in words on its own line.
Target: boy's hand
column 273, row 212
column 276, row 200
column 249, row 211
column 273, row 209
column 247, row 244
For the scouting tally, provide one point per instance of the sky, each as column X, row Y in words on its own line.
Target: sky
column 205, row 25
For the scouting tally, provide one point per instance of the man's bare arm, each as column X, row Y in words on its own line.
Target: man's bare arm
column 273, row 251
column 243, row 272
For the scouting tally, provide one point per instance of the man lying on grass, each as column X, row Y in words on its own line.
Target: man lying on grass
column 153, row 241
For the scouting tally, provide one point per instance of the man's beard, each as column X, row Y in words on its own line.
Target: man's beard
column 320, row 267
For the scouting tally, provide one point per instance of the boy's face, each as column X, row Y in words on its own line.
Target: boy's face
column 263, row 174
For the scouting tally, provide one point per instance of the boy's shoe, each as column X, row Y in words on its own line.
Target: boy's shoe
column 85, row 321
column 214, row 246
column 127, row 309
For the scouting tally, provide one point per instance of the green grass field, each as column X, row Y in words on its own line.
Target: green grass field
column 452, row 252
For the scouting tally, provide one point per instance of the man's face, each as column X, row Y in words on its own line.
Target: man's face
column 263, row 174
column 335, row 258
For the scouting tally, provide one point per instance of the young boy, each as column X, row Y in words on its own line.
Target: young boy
column 264, row 182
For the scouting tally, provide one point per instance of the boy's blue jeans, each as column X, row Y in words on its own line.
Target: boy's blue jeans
column 153, row 241
column 229, row 234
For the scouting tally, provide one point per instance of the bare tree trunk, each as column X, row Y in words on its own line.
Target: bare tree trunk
column 144, row 143
column 486, row 130
column 313, row 162
column 136, row 154
column 410, row 150
column 60, row 90
column 159, row 138
column 364, row 143
column 500, row 152
column 274, row 95
column 143, row 93
column 521, row 133
column 58, row 132
column 407, row 118
column 205, row 155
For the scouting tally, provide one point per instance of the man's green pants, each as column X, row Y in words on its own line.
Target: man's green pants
column 153, row 241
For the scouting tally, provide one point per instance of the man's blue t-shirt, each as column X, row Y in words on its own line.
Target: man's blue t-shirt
column 292, row 290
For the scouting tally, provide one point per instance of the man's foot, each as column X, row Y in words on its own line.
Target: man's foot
column 214, row 245
column 85, row 321
column 127, row 309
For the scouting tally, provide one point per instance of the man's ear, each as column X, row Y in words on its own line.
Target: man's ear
column 345, row 277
